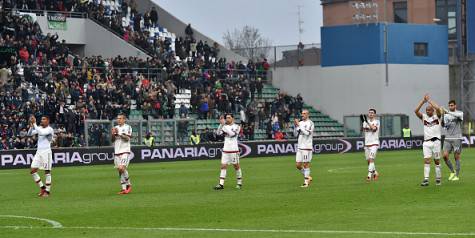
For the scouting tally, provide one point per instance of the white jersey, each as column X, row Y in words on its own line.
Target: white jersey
column 371, row 137
column 231, row 134
column 432, row 126
column 122, row 146
column 304, row 131
column 45, row 136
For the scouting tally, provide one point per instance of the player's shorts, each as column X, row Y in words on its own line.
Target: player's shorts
column 370, row 152
column 230, row 158
column 431, row 149
column 121, row 160
column 43, row 160
column 303, row 156
column 454, row 145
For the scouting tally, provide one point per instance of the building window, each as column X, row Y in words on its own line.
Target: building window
column 400, row 12
column 421, row 49
column 446, row 13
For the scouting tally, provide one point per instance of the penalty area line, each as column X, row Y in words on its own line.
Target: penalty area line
column 248, row 230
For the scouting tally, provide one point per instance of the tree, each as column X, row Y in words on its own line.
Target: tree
column 248, row 42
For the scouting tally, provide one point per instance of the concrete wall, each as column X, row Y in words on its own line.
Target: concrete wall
column 96, row 39
column 175, row 25
column 347, row 90
column 101, row 41
column 75, row 34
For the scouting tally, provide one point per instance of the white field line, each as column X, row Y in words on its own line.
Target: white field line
column 250, row 230
column 54, row 224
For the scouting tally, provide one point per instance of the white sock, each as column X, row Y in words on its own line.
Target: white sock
column 48, row 182
column 438, row 172
column 239, row 176
column 307, row 175
column 37, row 179
column 123, row 183
column 126, row 177
column 371, row 169
column 302, row 171
column 426, row 171
column 222, row 176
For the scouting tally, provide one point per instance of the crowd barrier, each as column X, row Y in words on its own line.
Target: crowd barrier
column 104, row 155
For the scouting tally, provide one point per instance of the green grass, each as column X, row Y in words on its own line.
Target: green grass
column 180, row 194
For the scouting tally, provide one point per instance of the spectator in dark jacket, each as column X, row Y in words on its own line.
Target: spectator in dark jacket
column 154, row 17
column 189, row 31
column 183, row 110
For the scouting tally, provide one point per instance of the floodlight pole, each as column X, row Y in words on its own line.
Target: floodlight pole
column 386, row 44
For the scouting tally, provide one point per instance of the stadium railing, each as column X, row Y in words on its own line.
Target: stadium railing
column 154, row 72
column 165, row 131
column 391, row 125
column 148, row 72
column 46, row 12
column 284, row 55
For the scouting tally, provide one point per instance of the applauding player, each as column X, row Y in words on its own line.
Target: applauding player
column 121, row 135
column 43, row 159
column 230, row 153
column 371, row 138
column 303, row 129
column 432, row 134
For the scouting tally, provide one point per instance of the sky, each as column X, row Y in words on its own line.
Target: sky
column 276, row 19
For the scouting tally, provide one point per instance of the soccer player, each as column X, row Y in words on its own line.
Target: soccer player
column 453, row 119
column 432, row 134
column 230, row 153
column 43, row 159
column 371, row 136
column 121, row 135
column 303, row 129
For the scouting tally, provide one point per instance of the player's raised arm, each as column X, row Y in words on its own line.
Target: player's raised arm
column 113, row 134
column 437, row 108
column 229, row 131
column 374, row 127
column 418, row 108
column 32, row 130
column 128, row 135
column 310, row 129
column 125, row 137
column 41, row 131
column 296, row 127
column 456, row 114
column 220, row 131
column 306, row 131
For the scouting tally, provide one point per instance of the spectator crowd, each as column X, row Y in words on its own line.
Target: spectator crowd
column 39, row 75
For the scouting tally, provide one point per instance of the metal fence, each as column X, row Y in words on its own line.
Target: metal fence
column 46, row 12
column 165, row 131
column 284, row 55
column 391, row 125
column 152, row 73
column 147, row 72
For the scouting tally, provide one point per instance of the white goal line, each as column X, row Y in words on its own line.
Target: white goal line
column 246, row 230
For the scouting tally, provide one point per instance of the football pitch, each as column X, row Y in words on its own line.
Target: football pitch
column 176, row 199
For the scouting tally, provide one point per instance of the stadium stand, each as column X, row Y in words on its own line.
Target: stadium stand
column 42, row 76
